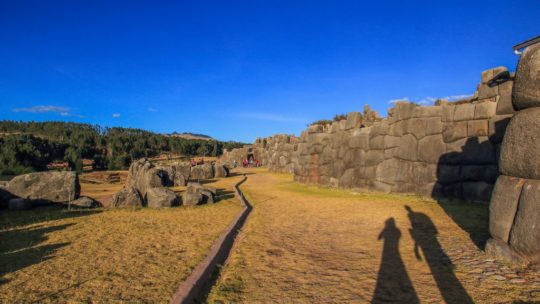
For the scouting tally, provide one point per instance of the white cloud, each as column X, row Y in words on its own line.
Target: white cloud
column 116, row 115
column 270, row 117
column 150, row 109
column 398, row 100
column 62, row 111
column 43, row 109
column 430, row 99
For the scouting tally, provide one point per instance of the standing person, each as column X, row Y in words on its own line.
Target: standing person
column 234, row 163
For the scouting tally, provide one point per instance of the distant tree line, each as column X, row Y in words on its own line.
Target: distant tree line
column 30, row 146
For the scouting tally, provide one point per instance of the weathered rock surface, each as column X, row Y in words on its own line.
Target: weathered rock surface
column 85, row 202
column 525, row 235
column 197, row 194
column 520, row 155
column 204, row 171
column 143, row 175
column 526, row 92
column 161, row 197
column 221, row 171
column 52, row 186
column 127, row 197
column 503, row 206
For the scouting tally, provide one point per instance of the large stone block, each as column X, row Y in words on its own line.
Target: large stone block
column 526, row 91
column 377, row 142
column 464, row 112
column 453, row 131
column 485, row 91
column 127, row 197
column 391, row 141
column 424, row 173
column 497, row 127
column 525, row 235
column 431, row 148
column 430, row 111
column 404, row 110
column 473, row 151
column 374, row 157
column 408, row 148
column 486, row 173
column 315, row 129
column 434, row 125
column 504, row 100
column 359, row 139
column 416, row 127
column 520, row 155
column 448, row 174
column 52, row 186
column 485, row 110
column 503, row 206
column 448, row 113
column 354, row 120
column 477, row 191
column 161, row 197
column 477, row 128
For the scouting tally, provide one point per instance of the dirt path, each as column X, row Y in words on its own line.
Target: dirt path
column 306, row 244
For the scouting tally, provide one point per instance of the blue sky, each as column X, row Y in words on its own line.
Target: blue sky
column 237, row 70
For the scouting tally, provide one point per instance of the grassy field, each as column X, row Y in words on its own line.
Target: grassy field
column 315, row 245
column 104, row 256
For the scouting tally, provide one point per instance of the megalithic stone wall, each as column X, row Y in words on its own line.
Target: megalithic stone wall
column 447, row 150
column 514, row 221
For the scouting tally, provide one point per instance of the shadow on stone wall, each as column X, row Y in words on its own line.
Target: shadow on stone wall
column 465, row 180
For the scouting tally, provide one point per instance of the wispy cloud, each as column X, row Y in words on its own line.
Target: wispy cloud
column 116, row 115
column 42, row 109
column 62, row 111
column 398, row 100
column 430, row 99
column 270, row 117
column 150, row 109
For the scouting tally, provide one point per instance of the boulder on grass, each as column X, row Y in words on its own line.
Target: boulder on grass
column 204, row 171
column 52, row 186
column 221, row 171
column 143, row 175
column 127, row 197
column 191, row 198
column 85, row 202
column 161, row 197
column 183, row 168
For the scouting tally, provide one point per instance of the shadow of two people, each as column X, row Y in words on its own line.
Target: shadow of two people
column 393, row 281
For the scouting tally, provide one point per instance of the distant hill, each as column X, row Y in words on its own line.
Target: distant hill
column 188, row 135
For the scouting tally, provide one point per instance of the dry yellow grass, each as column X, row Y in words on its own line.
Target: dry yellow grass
column 107, row 256
column 312, row 245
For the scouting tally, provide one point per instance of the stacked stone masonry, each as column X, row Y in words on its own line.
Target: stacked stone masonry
column 446, row 150
column 514, row 222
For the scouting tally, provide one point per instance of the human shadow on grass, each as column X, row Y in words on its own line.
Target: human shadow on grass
column 424, row 234
column 21, row 246
column 393, row 282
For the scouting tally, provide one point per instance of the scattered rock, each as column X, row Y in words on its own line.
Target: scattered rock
column 127, row 197
column 52, row 186
column 85, row 202
column 221, row 171
column 161, row 197
column 204, row 171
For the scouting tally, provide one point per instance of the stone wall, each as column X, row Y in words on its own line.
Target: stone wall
column 514, row 222
column 446, row 150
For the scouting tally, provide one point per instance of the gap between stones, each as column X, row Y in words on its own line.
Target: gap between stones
column 198, row 285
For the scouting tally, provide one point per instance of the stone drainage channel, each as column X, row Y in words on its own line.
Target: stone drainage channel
column 197, row 286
